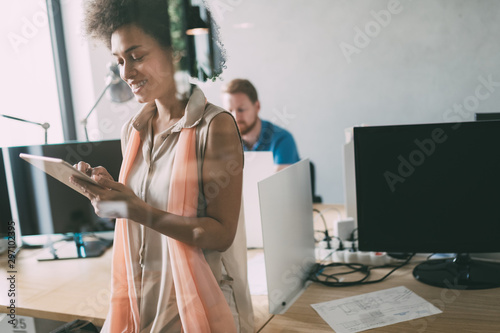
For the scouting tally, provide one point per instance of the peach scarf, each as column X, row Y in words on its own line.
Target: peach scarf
column 202, row 306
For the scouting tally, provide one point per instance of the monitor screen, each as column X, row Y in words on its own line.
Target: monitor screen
column 487, row 116
column 428, row 188
column 47, row 206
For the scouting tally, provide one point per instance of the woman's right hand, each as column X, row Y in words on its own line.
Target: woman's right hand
column 94, row 173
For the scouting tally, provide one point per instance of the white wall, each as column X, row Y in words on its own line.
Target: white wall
column 426, row 58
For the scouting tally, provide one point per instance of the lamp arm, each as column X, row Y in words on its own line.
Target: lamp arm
column 112, row 80
column 84, row 121
column 45, row 126
column 23, row 120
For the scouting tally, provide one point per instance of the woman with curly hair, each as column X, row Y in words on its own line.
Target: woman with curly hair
column 179, row 256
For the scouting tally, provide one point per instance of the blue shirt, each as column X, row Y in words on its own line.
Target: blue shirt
column 279, row 141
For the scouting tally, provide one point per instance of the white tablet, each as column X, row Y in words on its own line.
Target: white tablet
column 59, row 169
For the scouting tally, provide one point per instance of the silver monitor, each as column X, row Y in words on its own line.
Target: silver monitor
column 288, row 233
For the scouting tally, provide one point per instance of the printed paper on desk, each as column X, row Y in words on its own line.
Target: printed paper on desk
column 16, row 325
column 376, row 309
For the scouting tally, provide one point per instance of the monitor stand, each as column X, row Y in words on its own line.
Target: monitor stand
column 78, row 249
column 460, row 272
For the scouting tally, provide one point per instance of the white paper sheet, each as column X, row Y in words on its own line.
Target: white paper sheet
column 376, row 309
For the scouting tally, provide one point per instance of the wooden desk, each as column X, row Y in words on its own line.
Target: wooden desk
column 79, row 289
column 69, row 289
column 463, row 310
column 65, row 290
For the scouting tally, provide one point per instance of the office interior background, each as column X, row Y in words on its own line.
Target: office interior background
column 320, row 66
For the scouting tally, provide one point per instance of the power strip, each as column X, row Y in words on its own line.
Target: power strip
column 343, row 229
column 353, row 257
column 361, row 257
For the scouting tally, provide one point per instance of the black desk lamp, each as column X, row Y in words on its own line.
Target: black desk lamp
column 45, row 126
column 195, row 25
column 119, row 92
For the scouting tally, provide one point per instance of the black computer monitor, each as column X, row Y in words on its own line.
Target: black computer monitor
column 46, row 206
column 432, row 188
column 487, row 116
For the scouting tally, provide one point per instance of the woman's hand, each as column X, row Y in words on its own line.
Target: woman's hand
column 92, row 172
column 110, row 199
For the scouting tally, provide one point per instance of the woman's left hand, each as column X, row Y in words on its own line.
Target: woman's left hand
column 109, row 198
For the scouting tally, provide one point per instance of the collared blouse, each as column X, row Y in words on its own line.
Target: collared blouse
column 149, row 178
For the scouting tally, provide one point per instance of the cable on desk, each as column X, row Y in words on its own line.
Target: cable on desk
column 339, row 214
column 322, row 217
column 333, row 280
column 354, row 235
column 327, row 237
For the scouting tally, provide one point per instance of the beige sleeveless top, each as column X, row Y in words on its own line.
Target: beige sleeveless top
column 149, row 178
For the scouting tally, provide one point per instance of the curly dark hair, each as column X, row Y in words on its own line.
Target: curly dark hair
column 103, row 17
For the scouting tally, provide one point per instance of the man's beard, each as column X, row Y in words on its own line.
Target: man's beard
column 247, row 129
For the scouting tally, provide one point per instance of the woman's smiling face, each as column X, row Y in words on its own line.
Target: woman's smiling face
column 144, row 64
